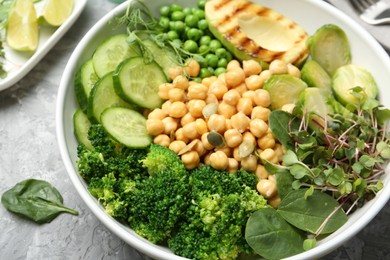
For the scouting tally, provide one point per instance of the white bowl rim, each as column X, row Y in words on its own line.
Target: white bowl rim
column 138, row 242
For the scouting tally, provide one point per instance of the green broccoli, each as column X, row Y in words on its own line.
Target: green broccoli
column 213, row 227
column 158, row 202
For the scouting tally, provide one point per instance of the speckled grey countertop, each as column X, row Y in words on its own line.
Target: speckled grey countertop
column 28, row 149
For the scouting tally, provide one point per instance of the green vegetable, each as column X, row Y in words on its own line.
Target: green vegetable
column 329, row 46
column 271, row 236
column 81, row 128
column 281, row 124
column 34, row 199
column 84, row 81
column 315, row 76
column 352, row 85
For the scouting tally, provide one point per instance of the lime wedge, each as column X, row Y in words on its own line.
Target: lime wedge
column 22, row 28
column 55, row 12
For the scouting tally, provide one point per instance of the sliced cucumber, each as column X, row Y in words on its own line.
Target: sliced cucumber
column 126, row 126
column 102, row 96
column 284, row 89
column 138, row 82
column 81, row 128
column 84, row 80
column 112, row 52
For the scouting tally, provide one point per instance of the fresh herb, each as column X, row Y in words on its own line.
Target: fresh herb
column 5, row 6
column 35, row 199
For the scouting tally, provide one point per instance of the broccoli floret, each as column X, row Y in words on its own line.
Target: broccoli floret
column 214, row 225
column 158, row 202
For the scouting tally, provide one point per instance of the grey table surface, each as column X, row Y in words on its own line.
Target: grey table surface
column 28, row 149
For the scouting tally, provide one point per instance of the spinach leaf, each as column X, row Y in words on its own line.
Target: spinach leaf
column 282, row 124
column 35, row 199
column 270, row 236
column 284, row 182
column 310, row 213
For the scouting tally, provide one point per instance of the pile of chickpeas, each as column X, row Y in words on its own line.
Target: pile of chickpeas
column 232, row 109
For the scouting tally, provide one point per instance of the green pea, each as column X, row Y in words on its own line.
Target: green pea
column 203, row 49
column 176, row 7
column 173, row 35
column 201, row 4
column 205, row 40
column 219, row 71
column 191, row 20
column 165, row 10
column 164, row 23
column 229, row 56
column 187, row 11
column 179, row 26
column 194, row 34
column 177, row 16
column 197, row 79
column 214, row 45
column 204, row 73
column 221, row 52
column 212, row 60
column 201, row 60
column 199, row 13
column 222, row 63
column 190, row 46
column 203, row 24
column 172, row 25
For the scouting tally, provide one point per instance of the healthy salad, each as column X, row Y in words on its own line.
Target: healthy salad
column 225, row 130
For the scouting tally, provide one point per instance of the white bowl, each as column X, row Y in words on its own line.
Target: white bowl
column 310, row 14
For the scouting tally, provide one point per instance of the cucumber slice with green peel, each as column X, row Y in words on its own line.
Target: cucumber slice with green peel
column 84, row 81
column 81, row 128
column 112, row 52
column 102, row 96
column 126, row 126
column 138, row 82
column 284, row 89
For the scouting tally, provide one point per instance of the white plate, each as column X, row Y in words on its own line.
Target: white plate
column 310, row 14
column 20, row 63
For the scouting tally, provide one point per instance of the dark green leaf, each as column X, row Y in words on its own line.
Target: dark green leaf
column 284, row 182
column 270, row 236
column 282, row 123
column 308, row 214
column 383, row 115
column 37, row 200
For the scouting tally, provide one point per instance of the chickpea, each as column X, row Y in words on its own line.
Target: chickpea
column 236, row 154
column 195, row 106
column 249, row 137
column 233, row 137
column 249, row 94
column 189, row 131
column 260, row 113
column 197, row 91
column 205, row 142
column 211, row 98
column 242, row 89
column 162, row 139
column 274, row 201
column 170, row 125
column 278, row 67
column 265, row 75
column 181, row 82
column 217, row 123
column 190, row 159
column 254, row 82
column 187, row 118
column 262, row 98
column 249, row 163
column 176, row 94
column 245, row 106
column 258, row 127
column 154, row 126
column 163, row 90
column 232, row 165
column 293, row 70
column 207, row 81
column 177, row 109
column 240, row 122
column 218, row 88
column 279, row 151
column 165, row 107
column 288, row 107
column 180, row 136
column 206, row 158
column 226, row 150
column 268, row 154
column 177, row 146
column 201, row 126
column 234, row 77
column 157, row 113
column 233, row 64
column 226, row 110
column 272, row 177
column 251, row 67
column 222, row 78
column 261, row 172
column 199, row 148
column 266, row 141
column 228, row 124
column 266, row 188
column 192, row 68
column 219, row 160
column 231, row 97
column 175, row 71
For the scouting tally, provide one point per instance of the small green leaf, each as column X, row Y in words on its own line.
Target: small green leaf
column 383, row 115
column 309, row 243
column 345, row 188
column 290, row 158
column 336, row 176
column 367, row 161
column 357, row 167
column 309, row 192
column 298, row 171
column 296, row 184
column 284, row 182
column 282, row 123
